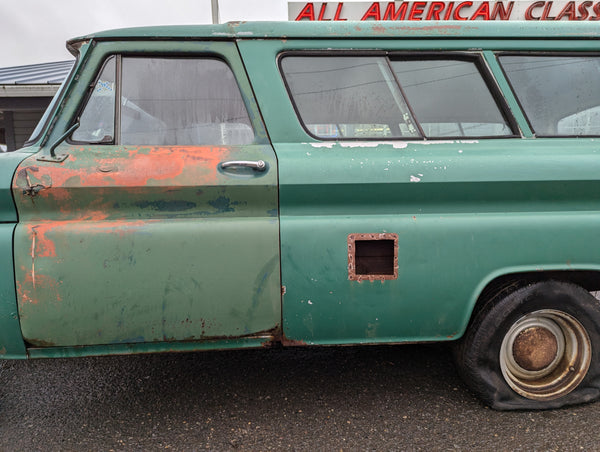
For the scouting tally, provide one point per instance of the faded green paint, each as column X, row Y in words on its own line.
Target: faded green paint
column 105, row 254
column 131, row 244
column 478, row 209
column 11, row 342
column 9, row 161
column 464, row 211
column 151, row 347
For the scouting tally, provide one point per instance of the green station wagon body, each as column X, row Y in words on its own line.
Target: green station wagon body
column 146, row 233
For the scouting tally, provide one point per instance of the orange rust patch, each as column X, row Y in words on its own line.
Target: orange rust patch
column 41, row 245
column 135, row 168
column 27, row 289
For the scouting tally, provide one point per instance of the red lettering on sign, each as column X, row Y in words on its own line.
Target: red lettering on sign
column 529, row 12
column 546, row 13
column 308, row 12
column 596, row 11
column 416, row 10
column 449, row 11
column 483, row 11
column 338, row 12
column 499, row 11
column 583, row 10
column 435, row 8
column 322, row 11
column 460, row 6
column 391, row 13
column 568, row 10
column 373, row 12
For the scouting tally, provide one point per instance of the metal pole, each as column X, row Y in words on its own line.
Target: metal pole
column 215, row 11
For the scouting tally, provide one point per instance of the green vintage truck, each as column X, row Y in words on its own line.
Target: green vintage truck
column 248, row 184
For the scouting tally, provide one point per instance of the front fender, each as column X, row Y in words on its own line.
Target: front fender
column 11, row 340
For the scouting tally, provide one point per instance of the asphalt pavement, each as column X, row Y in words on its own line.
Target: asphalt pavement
column 334, row 399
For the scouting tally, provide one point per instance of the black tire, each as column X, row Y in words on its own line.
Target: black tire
column 536, row 368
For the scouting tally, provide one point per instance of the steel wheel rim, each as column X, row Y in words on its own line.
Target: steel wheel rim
column 545, row 354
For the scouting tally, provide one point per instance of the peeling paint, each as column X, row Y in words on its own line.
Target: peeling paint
column 323, row 145
column 373, row 144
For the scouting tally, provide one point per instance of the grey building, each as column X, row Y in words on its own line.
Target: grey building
column 25, row 92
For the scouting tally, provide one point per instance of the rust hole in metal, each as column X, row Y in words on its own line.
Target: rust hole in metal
column 372, row 257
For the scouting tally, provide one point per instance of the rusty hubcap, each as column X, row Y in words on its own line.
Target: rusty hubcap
column 545, row 354
column 535, row 348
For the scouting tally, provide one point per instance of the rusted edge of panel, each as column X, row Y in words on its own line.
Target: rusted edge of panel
column 352, row 238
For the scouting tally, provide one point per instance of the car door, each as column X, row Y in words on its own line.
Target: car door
column 161, row 222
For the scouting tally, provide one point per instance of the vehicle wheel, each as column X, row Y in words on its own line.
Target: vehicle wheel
column 536, row 348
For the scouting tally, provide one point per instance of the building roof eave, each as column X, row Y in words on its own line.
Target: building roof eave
column 29, row 90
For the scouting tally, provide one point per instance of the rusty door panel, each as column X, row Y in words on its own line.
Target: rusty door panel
column 137, row 244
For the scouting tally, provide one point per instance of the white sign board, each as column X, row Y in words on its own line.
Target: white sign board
column 445, row 10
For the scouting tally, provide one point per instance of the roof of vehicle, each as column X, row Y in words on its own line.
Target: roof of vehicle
column 356, row 29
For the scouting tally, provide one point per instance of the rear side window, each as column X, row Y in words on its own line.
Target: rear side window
column 450, row 98
column 341, row 97
column 559, row 94
column 165, row 101
column 378, row 97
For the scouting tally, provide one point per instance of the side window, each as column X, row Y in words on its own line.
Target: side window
column 348, row 97
column 173, row 101
column 405, row 97
column 559, row 94
column 97, row 122
column 450, row 98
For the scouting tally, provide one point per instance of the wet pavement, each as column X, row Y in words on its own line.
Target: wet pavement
column 346, row 398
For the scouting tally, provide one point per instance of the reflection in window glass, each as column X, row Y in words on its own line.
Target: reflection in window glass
column 586, row 122
column 348, row 97
column 450, row 98
column 182, row 102
column 560, row 94
column 97, row 122
column 167, row 101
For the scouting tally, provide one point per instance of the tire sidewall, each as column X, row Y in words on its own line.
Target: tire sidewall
column 483, row 343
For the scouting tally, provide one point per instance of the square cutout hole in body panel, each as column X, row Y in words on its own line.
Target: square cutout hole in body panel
column 372, row 257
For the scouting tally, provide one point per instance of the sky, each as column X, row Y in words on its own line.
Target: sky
column 35, row 31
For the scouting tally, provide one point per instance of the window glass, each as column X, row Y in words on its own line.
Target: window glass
column 450, row 98
column 560, row 94
column 348, row 97
column 167, row 101
column 97, row 122
column 182, row 102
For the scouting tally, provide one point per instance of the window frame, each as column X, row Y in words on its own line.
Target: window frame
column 547, row 53
column 118, row 91
column 86, row 99
column 41, row 129
column 486, row 76
column 475, row 57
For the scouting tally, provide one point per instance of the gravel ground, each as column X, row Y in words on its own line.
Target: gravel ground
column 360, row 398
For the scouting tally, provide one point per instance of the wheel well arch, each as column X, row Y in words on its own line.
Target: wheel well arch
column 504, row 284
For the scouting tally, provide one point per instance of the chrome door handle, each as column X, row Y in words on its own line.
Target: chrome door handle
column 259, row 165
